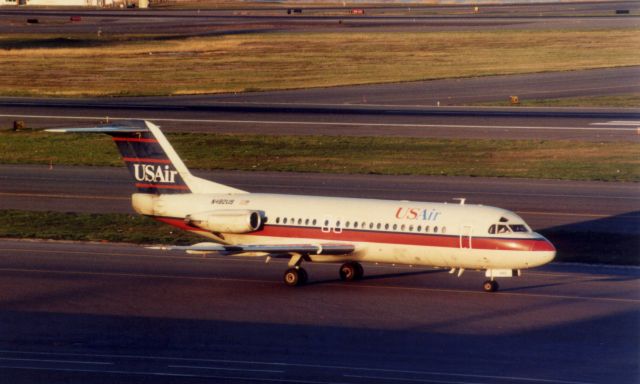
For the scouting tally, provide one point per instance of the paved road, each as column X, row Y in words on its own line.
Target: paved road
column 77, row 312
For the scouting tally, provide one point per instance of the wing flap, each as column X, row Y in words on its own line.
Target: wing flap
column 309, row 249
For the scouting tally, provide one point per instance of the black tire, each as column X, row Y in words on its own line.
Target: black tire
column 304, row 276
column 292, row 277
column 359, row 271
column 490, row 286
column 347, row 272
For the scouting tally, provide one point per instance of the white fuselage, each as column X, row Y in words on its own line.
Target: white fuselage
column 384, row 231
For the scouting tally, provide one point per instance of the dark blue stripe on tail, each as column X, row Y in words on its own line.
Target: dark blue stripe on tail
column 148, row 163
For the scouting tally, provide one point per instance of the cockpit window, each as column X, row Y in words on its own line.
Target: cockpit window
column 499, row 228
column 519, row 228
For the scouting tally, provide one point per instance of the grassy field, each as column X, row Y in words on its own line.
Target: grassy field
column 610, row 161
column 574, row 247
column 89, row 65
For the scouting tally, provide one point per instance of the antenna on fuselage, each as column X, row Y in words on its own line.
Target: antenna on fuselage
column 460, row 199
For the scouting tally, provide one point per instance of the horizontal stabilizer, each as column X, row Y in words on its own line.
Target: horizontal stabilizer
column 105, row 129
column 309, row 249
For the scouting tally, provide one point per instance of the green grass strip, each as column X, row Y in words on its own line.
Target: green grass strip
column 538, row 159
column 90, row 227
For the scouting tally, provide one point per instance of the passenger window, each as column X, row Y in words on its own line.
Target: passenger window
column 355, row 224
column 326, row 223
column 299, row 221
column 395, row 226
column 443, row 230
column 306, row 222
column 426, row 228
column 363, row 224
column 435, row 229
column 411, row 228
column 402, row 227
column 370, row 225
column 284, row 221
column 346, row 225
column 338, row 224
column 314, row 222
column 386, row 226
column 379, row 226
column 419, row 229
column 277, row 220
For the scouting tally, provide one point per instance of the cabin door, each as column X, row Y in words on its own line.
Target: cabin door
column 465, row 237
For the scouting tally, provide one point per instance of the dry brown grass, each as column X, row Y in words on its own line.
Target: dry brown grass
column 147, row 66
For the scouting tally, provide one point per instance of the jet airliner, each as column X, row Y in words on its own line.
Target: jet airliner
column 319, row 229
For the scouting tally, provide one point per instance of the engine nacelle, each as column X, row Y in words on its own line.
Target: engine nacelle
column 227, row 220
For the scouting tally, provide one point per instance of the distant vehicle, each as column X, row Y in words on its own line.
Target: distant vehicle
column 320, row 229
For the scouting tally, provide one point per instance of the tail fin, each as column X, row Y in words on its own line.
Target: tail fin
column 151, row 160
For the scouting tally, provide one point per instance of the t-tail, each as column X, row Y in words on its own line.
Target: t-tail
column 152, row 162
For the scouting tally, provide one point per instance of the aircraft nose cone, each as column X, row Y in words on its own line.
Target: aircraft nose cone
column 545, row 251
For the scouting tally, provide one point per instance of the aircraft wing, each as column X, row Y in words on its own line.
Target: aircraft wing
column 308, row 249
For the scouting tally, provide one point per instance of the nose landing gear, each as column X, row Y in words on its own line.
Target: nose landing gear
column 490, row 286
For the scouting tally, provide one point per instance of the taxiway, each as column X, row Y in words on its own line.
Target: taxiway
column 106, row 312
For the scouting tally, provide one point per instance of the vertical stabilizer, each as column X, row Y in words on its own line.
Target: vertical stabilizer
column 152, row 162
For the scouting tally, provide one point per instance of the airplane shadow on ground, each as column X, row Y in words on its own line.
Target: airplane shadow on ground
column 611, row 240
column 372, row 277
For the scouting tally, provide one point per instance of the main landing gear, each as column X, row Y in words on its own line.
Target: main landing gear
column 296, row 275
column 351, row 271
column 490, row 286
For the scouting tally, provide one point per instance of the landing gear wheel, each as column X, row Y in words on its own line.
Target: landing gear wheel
column 490, row 286
column 351, row 271
column 304, row 276
column 295, row 276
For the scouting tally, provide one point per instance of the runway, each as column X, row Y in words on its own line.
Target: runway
column 106, row 312
column 319, row 115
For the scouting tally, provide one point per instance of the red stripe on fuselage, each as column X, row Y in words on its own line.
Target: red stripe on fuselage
column 145, row 160
column 417, row 239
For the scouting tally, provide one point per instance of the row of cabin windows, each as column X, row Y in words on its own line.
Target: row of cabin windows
column 365, row 225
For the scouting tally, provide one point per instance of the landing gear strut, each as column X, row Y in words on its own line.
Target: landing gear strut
column 490, row 286
column 351, row 271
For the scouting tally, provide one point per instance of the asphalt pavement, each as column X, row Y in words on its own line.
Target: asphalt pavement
column 83, row 312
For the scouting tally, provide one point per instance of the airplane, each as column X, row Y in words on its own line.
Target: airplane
column 319, row 229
